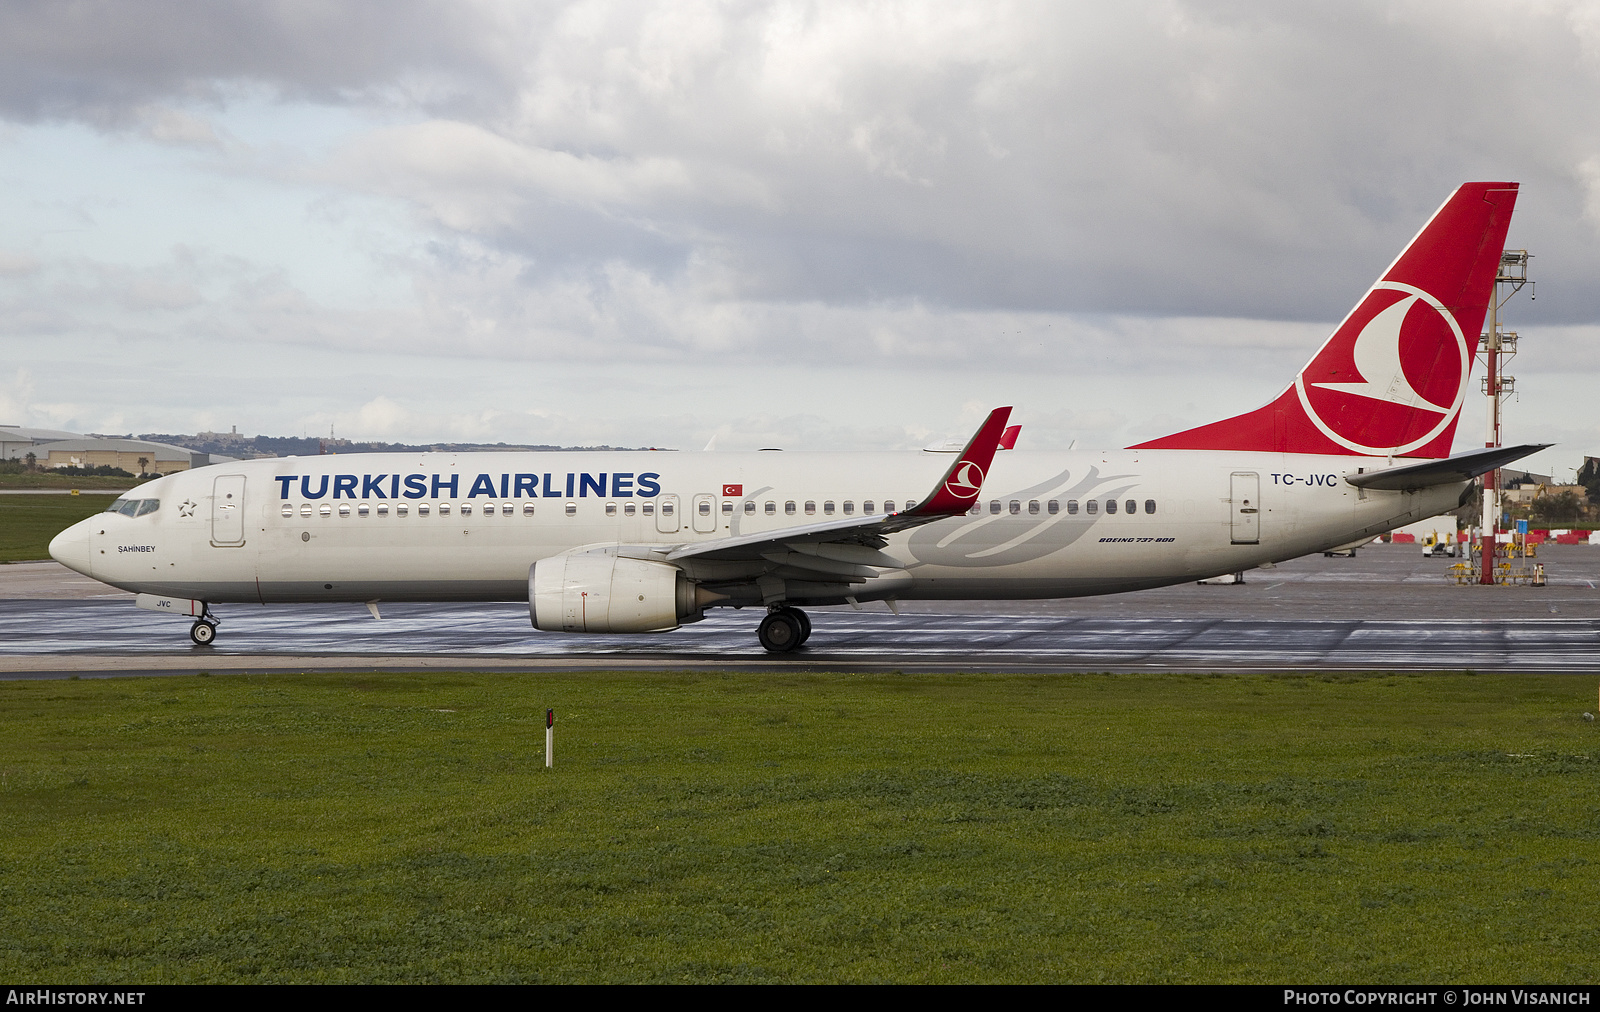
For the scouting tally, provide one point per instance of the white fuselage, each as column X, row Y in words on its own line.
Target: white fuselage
column 396, row 527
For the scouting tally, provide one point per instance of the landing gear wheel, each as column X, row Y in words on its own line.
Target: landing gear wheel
column 805, row 624
column 780, row 632
column 202, row 632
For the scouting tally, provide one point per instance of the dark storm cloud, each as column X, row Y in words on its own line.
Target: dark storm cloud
column 1249, row 159
column 100, row 61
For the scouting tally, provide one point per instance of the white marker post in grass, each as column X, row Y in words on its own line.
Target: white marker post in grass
column 549, row 738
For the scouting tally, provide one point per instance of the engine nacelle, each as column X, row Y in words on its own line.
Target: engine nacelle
column 598, row 593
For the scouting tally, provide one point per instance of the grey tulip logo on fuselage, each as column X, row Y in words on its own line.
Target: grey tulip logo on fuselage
column 1006, row 539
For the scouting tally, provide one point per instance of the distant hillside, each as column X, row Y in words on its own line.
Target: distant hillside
column 235, row 445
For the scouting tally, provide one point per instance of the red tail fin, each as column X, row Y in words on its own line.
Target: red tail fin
column 1392, row 378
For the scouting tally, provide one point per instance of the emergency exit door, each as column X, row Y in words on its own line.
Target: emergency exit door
column 227, row 511
column 667, row 519
column 705, row 513
column 1246, row 506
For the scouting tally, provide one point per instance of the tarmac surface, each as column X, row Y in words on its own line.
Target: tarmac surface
column 1386, row 609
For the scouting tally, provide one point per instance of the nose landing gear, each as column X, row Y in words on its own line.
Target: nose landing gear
column 784, row 629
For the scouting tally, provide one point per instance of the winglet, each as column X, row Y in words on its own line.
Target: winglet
column 1008, row 438
column 960, row 486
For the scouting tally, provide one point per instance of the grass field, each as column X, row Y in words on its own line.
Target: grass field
column 45, row 479
column 731, row 827
column 28, row 522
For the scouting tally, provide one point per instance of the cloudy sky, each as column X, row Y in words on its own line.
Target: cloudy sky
column 809, row 225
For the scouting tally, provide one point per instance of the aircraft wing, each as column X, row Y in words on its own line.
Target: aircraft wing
column 853, row 543
column 1459, row 467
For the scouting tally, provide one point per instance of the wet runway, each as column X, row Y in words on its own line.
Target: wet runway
column 1388, row 609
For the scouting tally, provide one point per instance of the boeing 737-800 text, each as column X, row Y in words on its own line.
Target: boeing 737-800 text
column 615, row 542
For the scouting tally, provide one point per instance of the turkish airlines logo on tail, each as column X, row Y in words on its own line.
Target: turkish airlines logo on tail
column 1392, row 377
column 966, row 482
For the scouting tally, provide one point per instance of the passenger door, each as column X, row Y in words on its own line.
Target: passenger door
column 1246, row 507
column 227, row 511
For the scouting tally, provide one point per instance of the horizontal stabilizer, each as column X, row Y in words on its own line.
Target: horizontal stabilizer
column 1461, row 467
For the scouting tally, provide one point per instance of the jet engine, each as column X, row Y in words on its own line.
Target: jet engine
column 600, row 593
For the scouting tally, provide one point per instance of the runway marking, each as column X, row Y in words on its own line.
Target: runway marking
column 54, row 631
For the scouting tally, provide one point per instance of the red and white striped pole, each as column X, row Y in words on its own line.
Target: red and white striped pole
column 549, row 738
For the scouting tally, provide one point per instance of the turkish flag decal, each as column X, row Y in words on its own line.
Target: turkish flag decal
column 733, row 490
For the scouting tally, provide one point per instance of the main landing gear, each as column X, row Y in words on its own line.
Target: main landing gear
column 204, row 630
column 784, row 629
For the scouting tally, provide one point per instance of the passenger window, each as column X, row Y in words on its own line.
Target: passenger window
column 771, row 507
column 994, row 506
column 1052, row 507
column 527, row 509
column 466, row 509
column 572, row 509
column 422, row 509
column 888, row 505
column 344, row 509
column 649, row 509
column 288, row 509
column 1072, row 507
column 325, row 510
column 1091, row 506
column 705, row 509
column 727, row 507
column 827, row 509
column 627, row 509
column 1131, row 506
column 148, row 506
column 363, row 510
column 811, row 507
column 444, row 509
column 305, row 509
column 508, row 509
column 611, row 509
column 866, row 507
column 1033, row 505
column 383, row 509
column 749, row 507
column 401, row 509
column 1016, row 507
column 1111, row 505
column 1149, row 505
column 849, row 508
column 666, row 509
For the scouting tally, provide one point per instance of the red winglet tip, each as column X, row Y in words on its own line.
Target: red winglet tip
column 962, row 483
column 1008, row 438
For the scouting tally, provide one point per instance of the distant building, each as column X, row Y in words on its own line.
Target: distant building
column 1518, row 479
column 126, row 454
column 1528, row 493
column 18, row 440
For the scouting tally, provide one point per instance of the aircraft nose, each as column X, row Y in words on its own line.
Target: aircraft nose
column 71, row 547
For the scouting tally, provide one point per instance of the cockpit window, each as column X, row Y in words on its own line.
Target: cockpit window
column 134, row 507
